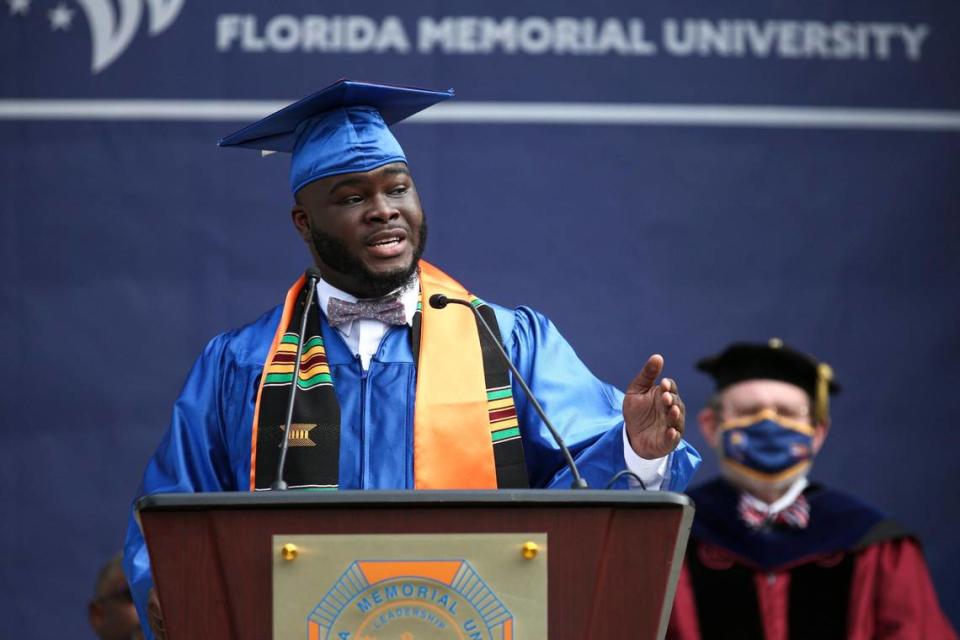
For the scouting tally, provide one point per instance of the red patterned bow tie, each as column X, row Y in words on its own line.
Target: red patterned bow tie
column 796, row 516
column 389, row 310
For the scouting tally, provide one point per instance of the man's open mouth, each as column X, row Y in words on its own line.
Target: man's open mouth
column 387, row 244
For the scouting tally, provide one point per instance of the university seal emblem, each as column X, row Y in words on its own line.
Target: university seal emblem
column 410, row 600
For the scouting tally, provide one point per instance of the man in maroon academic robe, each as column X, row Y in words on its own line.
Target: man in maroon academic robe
column 773, row 556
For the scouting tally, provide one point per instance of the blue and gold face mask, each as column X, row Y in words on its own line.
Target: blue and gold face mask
column 766, row 447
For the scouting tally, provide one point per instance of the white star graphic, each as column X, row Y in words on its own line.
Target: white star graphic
column 60, row 17
column 19, row 7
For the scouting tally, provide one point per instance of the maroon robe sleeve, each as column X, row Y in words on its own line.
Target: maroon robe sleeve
column 892, row 595
column 683, row 617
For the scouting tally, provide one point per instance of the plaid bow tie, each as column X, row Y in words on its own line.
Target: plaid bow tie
column 796, row 516
column 389, row 310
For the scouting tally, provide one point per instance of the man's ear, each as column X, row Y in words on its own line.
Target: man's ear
column 301, row 221
column 709, row 426
column 820, row 432
column 95, row 615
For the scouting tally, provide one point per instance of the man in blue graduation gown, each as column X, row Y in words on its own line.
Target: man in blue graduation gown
column 379, row 366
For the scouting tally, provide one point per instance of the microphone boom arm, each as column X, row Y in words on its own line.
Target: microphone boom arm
column 313, row 275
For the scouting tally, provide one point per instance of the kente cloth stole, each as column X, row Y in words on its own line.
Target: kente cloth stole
column 466, row 434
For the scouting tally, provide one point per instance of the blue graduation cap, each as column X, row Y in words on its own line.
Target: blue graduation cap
column 340, row 129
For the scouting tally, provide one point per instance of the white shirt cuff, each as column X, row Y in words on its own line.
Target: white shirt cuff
column 651, row 472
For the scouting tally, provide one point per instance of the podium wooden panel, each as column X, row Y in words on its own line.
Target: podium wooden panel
column 614, row 556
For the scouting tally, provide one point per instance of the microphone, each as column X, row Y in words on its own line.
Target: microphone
column 313, row 275
column 439, row 301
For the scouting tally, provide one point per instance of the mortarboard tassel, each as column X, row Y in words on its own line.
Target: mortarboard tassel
column 824, row 377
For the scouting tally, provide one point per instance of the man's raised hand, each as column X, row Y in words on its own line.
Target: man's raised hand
column 653, row 412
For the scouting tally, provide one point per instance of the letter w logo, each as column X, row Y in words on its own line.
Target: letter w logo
column 114, row 23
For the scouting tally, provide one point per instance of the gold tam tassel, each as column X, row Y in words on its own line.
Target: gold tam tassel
column 824, row 377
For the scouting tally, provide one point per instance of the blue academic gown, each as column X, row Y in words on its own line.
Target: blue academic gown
column 207, row 447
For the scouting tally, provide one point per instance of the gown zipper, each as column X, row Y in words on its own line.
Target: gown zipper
column 363, row 424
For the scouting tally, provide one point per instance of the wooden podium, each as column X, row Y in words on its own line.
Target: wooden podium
column 613, row 563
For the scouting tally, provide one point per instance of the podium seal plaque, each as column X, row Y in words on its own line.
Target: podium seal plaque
column 410, row 587
column 426, row 599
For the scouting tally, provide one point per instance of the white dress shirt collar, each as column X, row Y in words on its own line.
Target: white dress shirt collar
column 409, row 297
column 363, row 336
column 782, row 502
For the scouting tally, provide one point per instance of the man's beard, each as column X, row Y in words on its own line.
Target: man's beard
column 335, row 255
